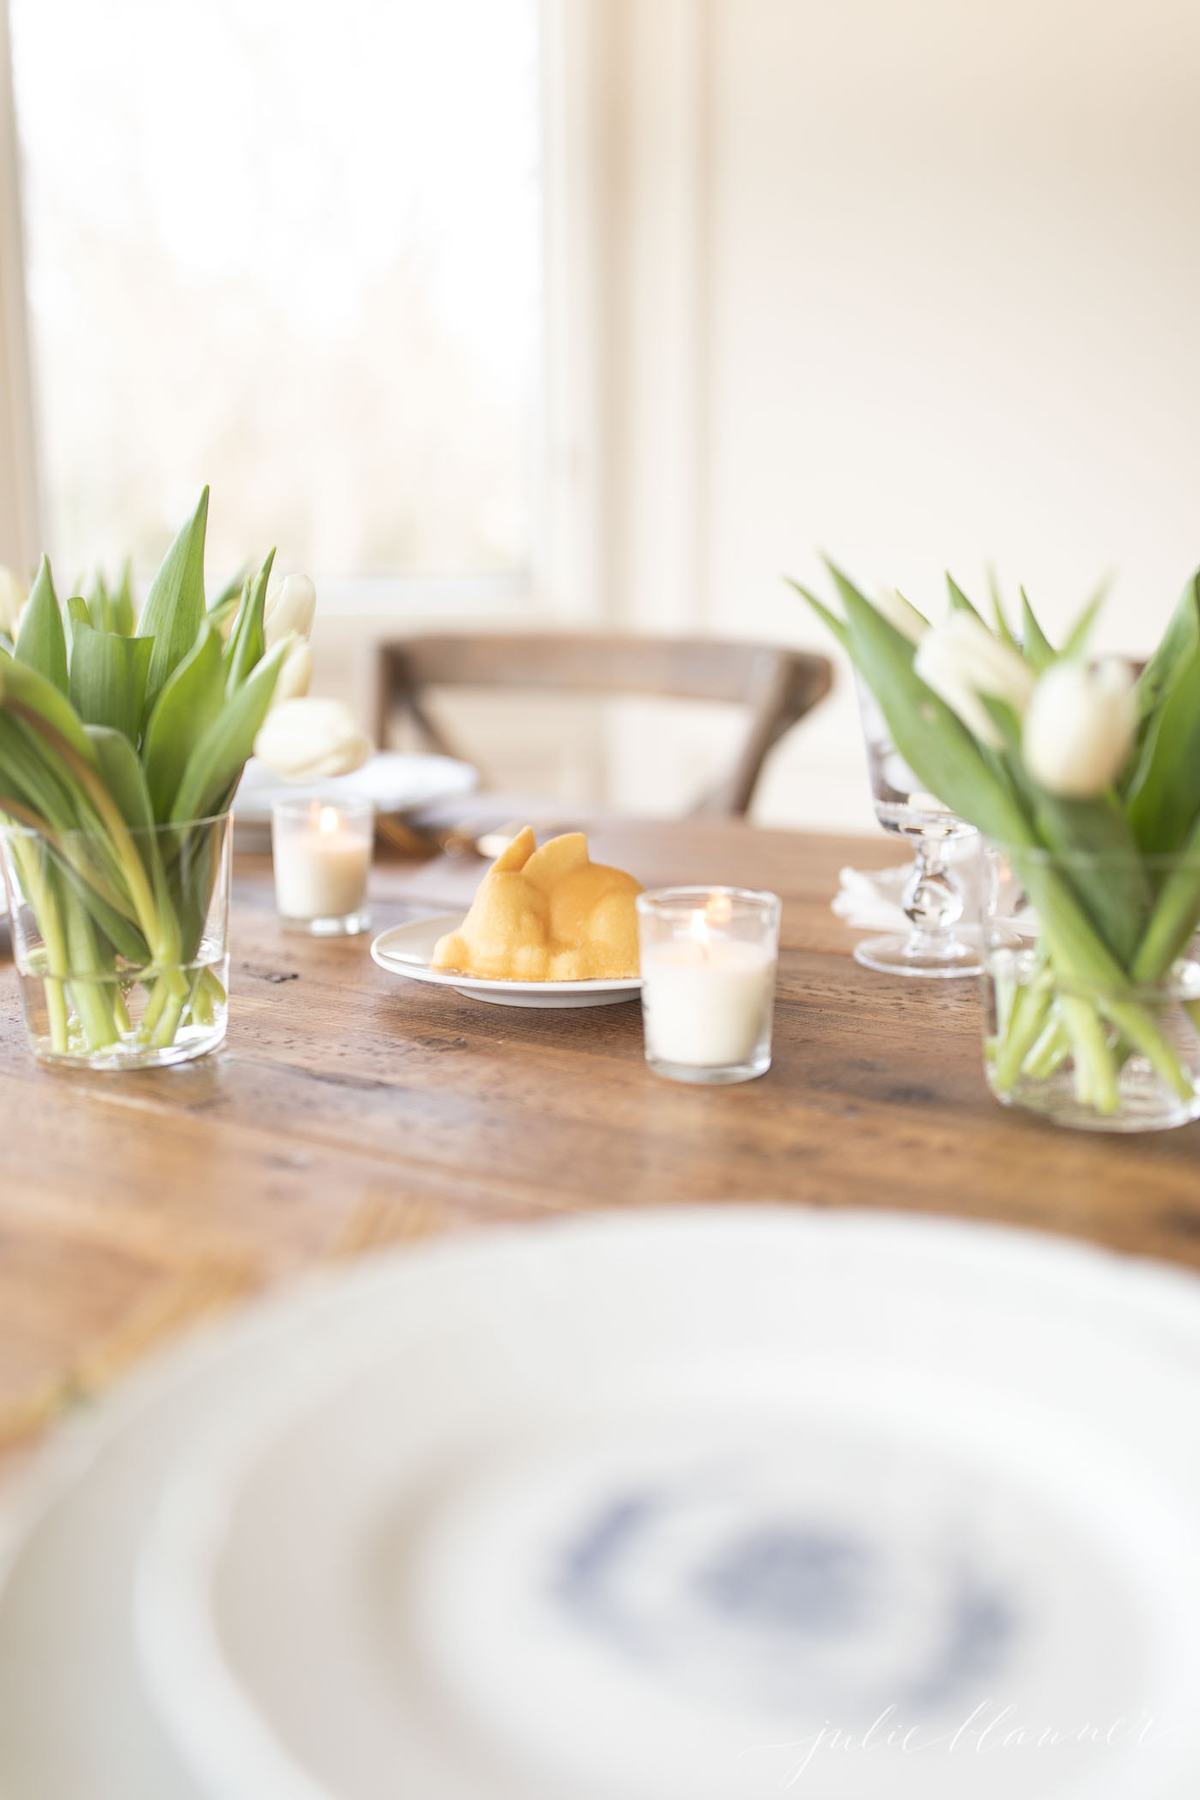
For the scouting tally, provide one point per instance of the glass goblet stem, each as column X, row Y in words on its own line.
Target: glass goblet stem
column 932, row 902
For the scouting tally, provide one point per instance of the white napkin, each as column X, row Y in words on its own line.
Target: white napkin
column 871, row 900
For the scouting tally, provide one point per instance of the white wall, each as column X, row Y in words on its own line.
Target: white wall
column 955, row 253
column 947, row 298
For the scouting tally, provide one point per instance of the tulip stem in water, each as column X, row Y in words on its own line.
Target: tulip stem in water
column 45, row 908
column 1143, row 1033
column 168, row 1022
column 1095, row 1067
column 1049, row 1053
column 1025, row 1025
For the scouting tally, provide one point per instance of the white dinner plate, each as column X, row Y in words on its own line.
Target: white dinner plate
column 406, row 950
column 630, row 1507
column 392, row 782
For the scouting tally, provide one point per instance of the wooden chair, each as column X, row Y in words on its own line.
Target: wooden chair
column 776, row 685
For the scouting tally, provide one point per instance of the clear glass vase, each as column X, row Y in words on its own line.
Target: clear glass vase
column 121, row 944
column 1092, row 987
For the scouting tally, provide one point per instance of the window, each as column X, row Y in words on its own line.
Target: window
column 295, row 252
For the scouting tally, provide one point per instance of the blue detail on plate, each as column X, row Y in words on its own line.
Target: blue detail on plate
column 789, row 1579
column 784, row 1613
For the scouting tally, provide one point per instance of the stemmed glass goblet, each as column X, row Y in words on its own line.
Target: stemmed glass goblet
column 933, row 902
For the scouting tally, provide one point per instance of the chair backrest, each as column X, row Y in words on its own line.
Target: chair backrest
column 777, row 685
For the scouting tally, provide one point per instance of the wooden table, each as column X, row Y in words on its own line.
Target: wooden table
column 351, row 1109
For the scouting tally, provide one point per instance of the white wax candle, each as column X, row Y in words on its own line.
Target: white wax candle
column 706, row 1004
column 321, row 869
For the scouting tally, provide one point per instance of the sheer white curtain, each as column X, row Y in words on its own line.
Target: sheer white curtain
column 300, row 260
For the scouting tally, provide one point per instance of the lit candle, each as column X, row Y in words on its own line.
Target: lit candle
column 708, row 962
column 322, row 856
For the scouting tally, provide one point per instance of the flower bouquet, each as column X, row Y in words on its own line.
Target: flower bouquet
column 1086, row 783
column 122, row 743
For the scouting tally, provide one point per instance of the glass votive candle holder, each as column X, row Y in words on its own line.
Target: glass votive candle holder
column 322, row 854
column 709, row 958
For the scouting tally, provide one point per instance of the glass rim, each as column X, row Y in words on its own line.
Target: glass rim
column 1008, row 944
column 689, row 898
column 12, row 828
column 1044, row 858
column 291, row 806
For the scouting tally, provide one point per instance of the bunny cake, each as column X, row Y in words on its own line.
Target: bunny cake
column 547, row 915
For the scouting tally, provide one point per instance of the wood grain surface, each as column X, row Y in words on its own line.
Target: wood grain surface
column 351, row 1109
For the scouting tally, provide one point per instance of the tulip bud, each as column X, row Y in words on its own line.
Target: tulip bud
column 295, row 676
column 961, row 661
column 291, row 608
column 1080, row 727
column 12, row 599
column 311, row 740
column 897, row 611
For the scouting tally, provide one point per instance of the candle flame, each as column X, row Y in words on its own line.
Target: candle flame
column 718, row 910
column 714, row 915
column 327, row 819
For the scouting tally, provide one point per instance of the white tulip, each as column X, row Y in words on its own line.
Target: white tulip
column 12, row 599
column 311, row 740
column 295, row 677
column 961, row 661
column 291, row 608
column 1080, row 727
column 897, row 611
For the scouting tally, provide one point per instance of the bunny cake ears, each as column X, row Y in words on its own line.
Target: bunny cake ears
column 547, row 915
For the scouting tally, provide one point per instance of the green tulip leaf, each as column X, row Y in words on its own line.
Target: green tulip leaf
column 1036, row 647
column 247, row 640
column 123, row 776
column 216, row 763
column 1163, row 798
column 125, row 780
column 1003, row 629
column 1100, row 857
column 78, row 613
column 838, row 627
column 1173, row 923
column 121, row 605
column 116, row 925
column 183, row 712
column 1176, row 646
column 174, row 609
column 108, row 678
column 959, row 601
column 232, row 591
column 1079, row 636
column 41, row 641
column 99, row 606
column 36, row 777
column 31, row 691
